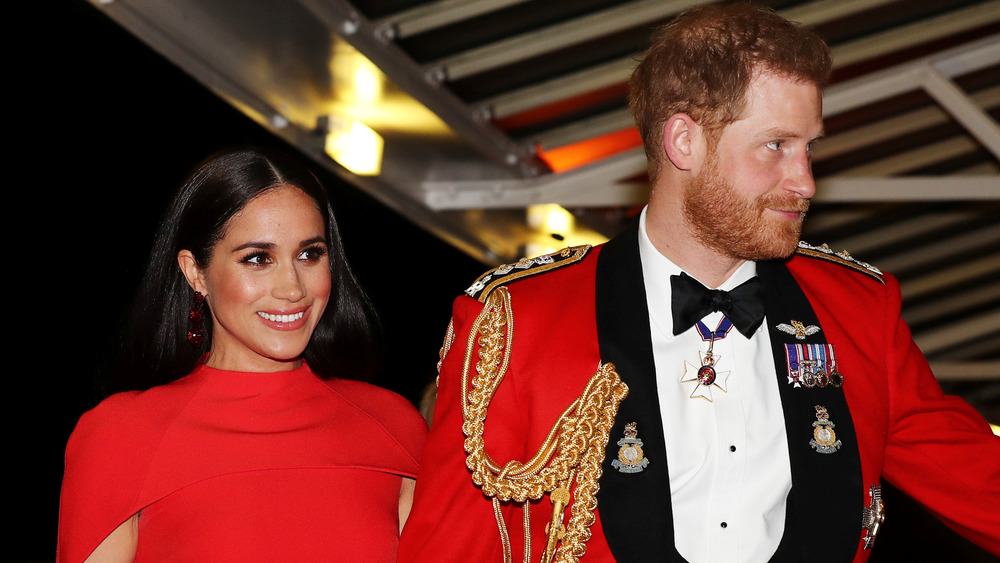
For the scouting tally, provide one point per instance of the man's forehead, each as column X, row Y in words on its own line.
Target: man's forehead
column 783, row 102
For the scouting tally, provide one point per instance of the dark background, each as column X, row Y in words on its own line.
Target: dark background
column 103, row 129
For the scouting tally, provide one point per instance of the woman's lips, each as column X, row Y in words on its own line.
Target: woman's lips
column 284, row 320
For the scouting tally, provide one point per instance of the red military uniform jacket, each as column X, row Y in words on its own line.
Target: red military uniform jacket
column 571, row 312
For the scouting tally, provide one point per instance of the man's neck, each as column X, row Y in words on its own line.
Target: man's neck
column 672, row 237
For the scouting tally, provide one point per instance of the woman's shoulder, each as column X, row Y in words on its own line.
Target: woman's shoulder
column 386, row 409
column 120, row 421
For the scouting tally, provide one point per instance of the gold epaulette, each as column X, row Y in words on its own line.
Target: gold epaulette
column 523, row 268
column 824, row 252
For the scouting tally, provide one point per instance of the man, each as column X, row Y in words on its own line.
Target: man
column 767, row 442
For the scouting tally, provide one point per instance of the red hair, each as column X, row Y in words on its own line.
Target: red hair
column 702, row 63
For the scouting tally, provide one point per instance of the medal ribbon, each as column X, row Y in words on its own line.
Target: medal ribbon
column 720, row 332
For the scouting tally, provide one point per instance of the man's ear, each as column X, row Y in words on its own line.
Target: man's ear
column 194, row 275
column 683, row 139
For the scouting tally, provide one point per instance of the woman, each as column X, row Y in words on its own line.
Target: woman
column 249, row 446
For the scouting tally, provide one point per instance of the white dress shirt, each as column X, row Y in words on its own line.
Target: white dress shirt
column 728, row 458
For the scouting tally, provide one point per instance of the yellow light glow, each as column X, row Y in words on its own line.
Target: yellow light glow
column 996, row 429
column 367, row 86
column 357, row 81
column 551, row 218
column 355, row 146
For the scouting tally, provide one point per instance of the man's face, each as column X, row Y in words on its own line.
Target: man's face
column 751, row 194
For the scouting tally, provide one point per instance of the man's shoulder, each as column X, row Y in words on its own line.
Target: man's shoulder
column 540, row 268
column 822, row 257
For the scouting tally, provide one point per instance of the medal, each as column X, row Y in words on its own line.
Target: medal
column 705, row 374
column 812, row 365
column 824, row 438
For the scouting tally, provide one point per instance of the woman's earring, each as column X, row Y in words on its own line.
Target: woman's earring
column 196, row 334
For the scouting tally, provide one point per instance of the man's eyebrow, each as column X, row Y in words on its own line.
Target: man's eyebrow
column 785, row 133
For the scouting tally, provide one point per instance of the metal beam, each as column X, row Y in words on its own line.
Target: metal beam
column 823, row 11
column 584, row 129
column 342, row 18
column 941, row 279
column 926, row 155
column 602, row 187
column 893, row 127
column 943, row 248
column 965, row 330
column 593, row 185
column 837, row 99
column 436, row 14
column 617, row 71
column 866, row 242
column 910, row 188
column 907, row 77
column 951, row 304
column 966, row 370
column 922, row 31
column 984, row 346
column 560, row 88
column 527, row 45
column 965, row 111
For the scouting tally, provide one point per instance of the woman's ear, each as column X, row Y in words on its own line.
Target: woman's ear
column 683, row 139
column 194, row 275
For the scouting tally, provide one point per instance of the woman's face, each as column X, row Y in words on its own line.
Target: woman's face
column 267, row 283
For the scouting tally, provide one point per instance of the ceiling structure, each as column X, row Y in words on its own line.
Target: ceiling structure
column 489, row 109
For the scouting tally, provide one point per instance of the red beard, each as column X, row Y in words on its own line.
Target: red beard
column 729, row 223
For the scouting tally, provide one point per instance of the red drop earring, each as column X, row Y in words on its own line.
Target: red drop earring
column 196, row 332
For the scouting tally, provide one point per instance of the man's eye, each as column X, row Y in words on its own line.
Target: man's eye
column 774, row 145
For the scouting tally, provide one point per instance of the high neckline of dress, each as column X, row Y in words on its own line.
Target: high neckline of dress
column 214, row 373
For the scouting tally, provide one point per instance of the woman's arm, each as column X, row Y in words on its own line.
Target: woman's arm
column 121, row 544
column 405, row 500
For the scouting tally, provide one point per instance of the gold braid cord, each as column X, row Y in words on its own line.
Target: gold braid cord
column 573, row 450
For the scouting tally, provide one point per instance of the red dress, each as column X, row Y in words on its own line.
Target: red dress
column 230, row 466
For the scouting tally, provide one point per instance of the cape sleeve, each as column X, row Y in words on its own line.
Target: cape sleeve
column 103, row 475
column 938, row 449
column 450, row 520
column 400, row 427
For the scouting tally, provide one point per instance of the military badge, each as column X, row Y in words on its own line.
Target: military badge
column 630, row 456
column 873, row 515
column 796, row 328
column 824, row 438
column 812, row 365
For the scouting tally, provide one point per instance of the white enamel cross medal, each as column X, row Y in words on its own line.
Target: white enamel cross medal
column 706, row 375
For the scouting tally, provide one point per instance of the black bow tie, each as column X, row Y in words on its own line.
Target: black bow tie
column 690, row 301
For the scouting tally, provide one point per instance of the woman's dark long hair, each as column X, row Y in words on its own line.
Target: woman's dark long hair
column 155, row 347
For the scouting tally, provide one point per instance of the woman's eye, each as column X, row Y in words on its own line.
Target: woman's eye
column 256, row 259
column 313, row 254
column 774, row 145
